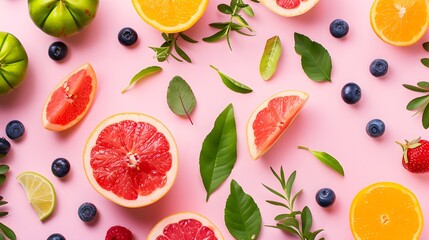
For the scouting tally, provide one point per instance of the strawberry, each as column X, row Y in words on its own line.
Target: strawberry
column 416, row 155
column 119, row 233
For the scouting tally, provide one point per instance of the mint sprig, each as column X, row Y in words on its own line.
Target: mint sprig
column 5, row 230
column 293, row 221
column 420, row 104
column 170, row 44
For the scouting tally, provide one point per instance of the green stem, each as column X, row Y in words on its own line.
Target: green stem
column 303, row 148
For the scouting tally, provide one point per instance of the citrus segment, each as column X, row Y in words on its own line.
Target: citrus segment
column 386, row 211
column 183, row 226
column 131, row 159
column 400, row 22
column 70, row 100
column 170, row 16
column 271, row 119
column 40, row 193
column 289, row 8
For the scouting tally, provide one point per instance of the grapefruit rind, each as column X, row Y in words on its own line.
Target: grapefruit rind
column 250, row 133
column 141, row 201
column 361, row 195
column 58, row 127
column 304, row 7
column 159, row 227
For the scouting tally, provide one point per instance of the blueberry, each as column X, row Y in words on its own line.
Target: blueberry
column 60, row 167
column 325, row 197
column 57, row 51
column 378, row 67
column 87, row 211
column 56, row 236
column 351, row 93
column 375, row 128
column 15, row 129
column 4, row 147
column 339, row 28
column 127, row 36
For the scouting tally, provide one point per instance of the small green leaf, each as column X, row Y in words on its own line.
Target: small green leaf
column 423, row 84
column 306, row 220
column 275, row 203
column 414, row 88
column 143, row 74
column 2, row 214
column 218, row 25
column 286, row 228
column 270, row 57
column 426, row 46
column 8, row 232
column 315, row 59
column 4, row 169
column 219, row 151
column 275, row 192
column 2, row 179
column 281, row 217
column 327, row 159
column 187, row 38
column 217, row 36
column 295, row 198
column 315, row 233
column 161, row 53
column 289, row 184
column 425, row 117
column 248, row 11
column 425, row 62
column 182, row 53
column 417, row 102
column 3, row 203
column 231, row 83
column 223, row 8
column 180, row 97
column 242, row 216
column 240, row 20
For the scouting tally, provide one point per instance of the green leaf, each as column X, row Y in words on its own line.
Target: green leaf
column 2, row 214
column 275, row 203
column 143, row 74
column 425, row 117
column 242, row 216
column 240, row 20
column 219, row 151
column 231, row 83
column 327, row 159
column 270, row 57
column 315, row 59
column 217, row 36
column 306, row 220
column 291, row 222
column 4, row 169
column 248, row 11
column 223, row 8
column 423, row 84
column 315, row 233
column 286, row 228
column 161, row 53
column 180, row 98
column 295, row 198
column 289, row 184
column 425, row 62
column 282, row 217
column 182, row 53
column 7, row 231
column 275, row 192
column 426, row 46
column 417, row 102
column 414, row 88
column 218, row 25
column 2, row 237
column 2, row 179
column 187, row 38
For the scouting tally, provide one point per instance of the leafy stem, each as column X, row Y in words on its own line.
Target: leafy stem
column 420, row 104
column 170, row 44
column 5, row 230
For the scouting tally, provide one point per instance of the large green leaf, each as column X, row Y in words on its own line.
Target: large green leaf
column 180, row 97
column 270, row 57
column 315, row 59
column 142, row 74
column 7, row 231
column 219, row 151
column 242, row 216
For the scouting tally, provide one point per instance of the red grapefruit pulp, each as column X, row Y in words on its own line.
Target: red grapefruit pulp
column 185, row 226
column 289, row 8
column 131, row 159
column 70, row 100
column 271, row 119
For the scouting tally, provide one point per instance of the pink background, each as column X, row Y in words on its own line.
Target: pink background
column 326, row 122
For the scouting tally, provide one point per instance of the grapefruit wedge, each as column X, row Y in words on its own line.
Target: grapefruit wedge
column 271, row 119
column 131, row 159
column 71, row 99
column 185, row 225
column 289, row 8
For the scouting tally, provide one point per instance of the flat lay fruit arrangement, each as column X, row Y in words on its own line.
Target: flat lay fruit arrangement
column 213, row 120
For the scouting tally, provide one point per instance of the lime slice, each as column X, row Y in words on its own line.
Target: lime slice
column 40, row 193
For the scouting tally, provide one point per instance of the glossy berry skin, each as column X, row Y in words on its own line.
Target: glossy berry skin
column 87, row 212
column 58, row 51
column 4, row 147
column 378, row 67
column 375, row 128
column 56, row 236
column 15, row 129
column 127, row 36
column 60, row 167
column 325, row 197
column 351, row 93
column 339, row 28
column 118, row 233
column 416, row 156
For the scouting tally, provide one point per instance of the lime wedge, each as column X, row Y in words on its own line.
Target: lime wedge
column 40, row 193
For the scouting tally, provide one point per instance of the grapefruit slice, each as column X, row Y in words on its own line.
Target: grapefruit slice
column 131, row 159
column 71, row 99
column 183, row 226
column 289, row 8
column 271, row 119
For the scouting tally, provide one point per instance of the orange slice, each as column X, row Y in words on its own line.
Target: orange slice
column 170, row 16
column 386, row 211
column 400, row 22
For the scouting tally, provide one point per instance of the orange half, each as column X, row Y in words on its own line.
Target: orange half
column 400, row 22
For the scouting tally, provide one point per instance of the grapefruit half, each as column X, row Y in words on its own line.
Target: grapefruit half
column 71, row 99
column 271, row 119
column 185, row 225
column 289, row 8
column 131, row 159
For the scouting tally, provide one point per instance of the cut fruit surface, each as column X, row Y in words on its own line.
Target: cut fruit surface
column 183, row 226
column 400, row 22
column 131, row 159
column 289, row 8
column 170, row 16
column 386, row 211
column 40, row 193
column 70, row 100
column 271, row 119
